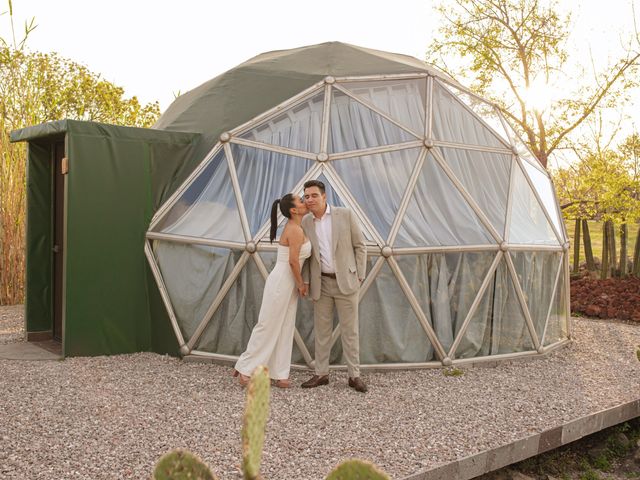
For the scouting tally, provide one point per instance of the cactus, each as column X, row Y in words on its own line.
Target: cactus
column 181, row 465
column 255, row 420
column 356, row 470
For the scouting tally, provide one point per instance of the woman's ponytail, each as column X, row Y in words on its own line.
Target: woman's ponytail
column 274, row 220
column 286, row 204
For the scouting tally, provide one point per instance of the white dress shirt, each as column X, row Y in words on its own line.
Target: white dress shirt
column 324, row 233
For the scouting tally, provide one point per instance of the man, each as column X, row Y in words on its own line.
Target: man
column 334, row 271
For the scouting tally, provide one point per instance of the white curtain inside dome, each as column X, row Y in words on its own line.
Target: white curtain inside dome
column 229, row 330
column 207, row 208
column 557, row 325
column 484, row 110
column 438, row 214
column 452, row 122
column 378, row 183
column 537, row 273
column 445, row 285
column 485, row 176
column 390, row 331
column 354, row 126
column 265, row 176
column 193, row 275
column 499, row 325
column 297, row 127
column 402, row 100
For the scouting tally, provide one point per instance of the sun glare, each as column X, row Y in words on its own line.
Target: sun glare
column 539, row 96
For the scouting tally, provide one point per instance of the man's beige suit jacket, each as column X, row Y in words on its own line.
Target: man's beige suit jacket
column 349, row 252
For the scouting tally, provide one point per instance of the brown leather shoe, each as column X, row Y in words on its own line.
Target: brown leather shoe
column 357, row 384
column 316, row 381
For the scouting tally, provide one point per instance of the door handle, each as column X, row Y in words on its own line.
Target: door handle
column 56, row 249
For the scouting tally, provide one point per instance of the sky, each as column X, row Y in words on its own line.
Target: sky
column 155, row 49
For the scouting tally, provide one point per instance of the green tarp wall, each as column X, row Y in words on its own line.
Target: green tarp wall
column 117, row 179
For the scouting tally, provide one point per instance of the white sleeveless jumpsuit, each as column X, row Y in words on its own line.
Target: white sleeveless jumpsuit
column 271, row 341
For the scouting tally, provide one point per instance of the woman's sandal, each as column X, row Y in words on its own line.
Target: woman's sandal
column 282, row 383
column 244, row 380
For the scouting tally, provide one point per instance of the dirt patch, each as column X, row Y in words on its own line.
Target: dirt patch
column 617, row 298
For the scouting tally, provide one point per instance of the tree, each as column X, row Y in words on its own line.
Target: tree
column 629, row 150
column 40, row 87
column 35, row 88
column 512, row 47
column 603, row 183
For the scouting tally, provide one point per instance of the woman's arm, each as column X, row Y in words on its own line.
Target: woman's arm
column 296, row 238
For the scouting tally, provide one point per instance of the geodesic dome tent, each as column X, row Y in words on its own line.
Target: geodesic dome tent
column 467, row 250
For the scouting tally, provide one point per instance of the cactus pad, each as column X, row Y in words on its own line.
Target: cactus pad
column 255, row 420
column 181, row 465
column 356, row 470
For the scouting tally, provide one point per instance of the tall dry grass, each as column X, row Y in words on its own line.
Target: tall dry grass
column 12, row 219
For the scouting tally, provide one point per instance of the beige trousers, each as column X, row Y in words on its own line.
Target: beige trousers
column 347, row 307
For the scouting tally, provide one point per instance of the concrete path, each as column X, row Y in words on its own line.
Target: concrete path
column 26, row 351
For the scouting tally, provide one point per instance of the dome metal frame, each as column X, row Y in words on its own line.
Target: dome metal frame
column 379, row 245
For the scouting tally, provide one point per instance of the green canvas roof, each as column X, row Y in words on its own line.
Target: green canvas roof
column 251, row 88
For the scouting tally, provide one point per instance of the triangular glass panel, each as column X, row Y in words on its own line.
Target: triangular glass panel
column 400, row 99
column 390, row 331
column 498, row 325
column 544, row 187
column 485, row 176
column 378, row 182
column 452, row 122
column 207, row 208
column 297, row 127
column 485, row 111
column 445, row 285
column 354, row 126
column 229, row 330
column 537, row 274
column 438, row 214
column 522, row 150
column 528, row 224
column 193, row 275
column 265, row 176
column 557, row 325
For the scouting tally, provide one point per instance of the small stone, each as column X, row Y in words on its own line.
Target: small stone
column 622, row 440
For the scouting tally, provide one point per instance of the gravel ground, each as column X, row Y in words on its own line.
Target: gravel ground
column 11, row 324
column 112, row 417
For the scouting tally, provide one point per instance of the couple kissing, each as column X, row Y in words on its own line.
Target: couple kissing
column 321, row 254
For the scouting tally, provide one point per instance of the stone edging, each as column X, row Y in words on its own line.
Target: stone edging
column 499, row 457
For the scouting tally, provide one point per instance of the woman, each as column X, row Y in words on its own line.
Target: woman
column 272, row 338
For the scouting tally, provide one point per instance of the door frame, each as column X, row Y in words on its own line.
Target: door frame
column 58, row 270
